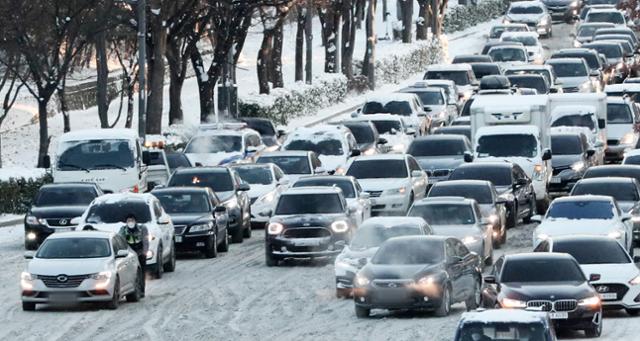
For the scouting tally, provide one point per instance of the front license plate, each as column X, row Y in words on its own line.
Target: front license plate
column 63, row 229
column 609, row 296
column 559, row 315
column 556, row 180
column 178, row 239
column 306, row 242
column 62, row 297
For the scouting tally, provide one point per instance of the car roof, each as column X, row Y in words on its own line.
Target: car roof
column 582, row 198
column 99, row 134
column 488, row 164
column 378, row 117
column 469, row 183
column 304, row 153
column 528, row 67
column 617, row 100
column 445, row 200
column 449, row 67
column 565, row 61
column 181, row 189
column 528, row 75
column 601, row 43
column 519, row 34
column 614, row 168
column 508, row 129
column 427, row 82
column 82, row 234
column 581, row 238
column 392, row 221
column 440, row 137
column 607, row 180
column 325, row 177
column 323, row 130
column 421, row 89
column 251, row 165
column 604, row 10
column 381, row 157
column 575, row 50
column 527, row 4
column 622, row 87
column 116, row 197
column 200, row 170
column 537, row 255
column 223, row 132
column 312, row 190
column 70, row 184
column 502, row 315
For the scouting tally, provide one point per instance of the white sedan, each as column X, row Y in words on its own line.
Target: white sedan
column 266, row 182
column 87, row 266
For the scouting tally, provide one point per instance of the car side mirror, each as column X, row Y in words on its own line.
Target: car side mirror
column 636, row 259
column 490, row 279
column 352, row 210
column 198, row 164
column 602, row 123
column 411, row 131
column 243, row 187
column 29, row 255
column 122, row 253
column 146, row 157
column 266, row 212
column 594, row 73
column 554, row 90
column 468, row 157
column 355, row 152
column 365, row 195
column 590, row 152
column 164, row 220
column 46, row 161
column 416, row 174
column 283, row 182
column 362, row 261
column 320, row 170
column 281, row 133
column 251, row 149
column 220, row 209
column 594, row 277
column 75, row 221
column 536, row 218
column 546, row 155
column 382, row 140
column 572, row 35
column 626, row 217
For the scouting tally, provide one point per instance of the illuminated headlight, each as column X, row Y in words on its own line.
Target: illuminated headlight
column 493, row 219
column 361, row 281
column 586, row 86
column 467, row 94
column 538, row 172
column 543, row 22
column 398, row 147
column 26, row 280
column 470, row 240
column 200, row 227
column 511, row 303
column 149, row 254
column 635, row 280
column 400, row 190
column 339, row 226
column 592, row 301
column 275, row 228
column 102, row 279
column 615, row 234
column 31, row 236
column 441, row 114
column 576, row 43
column 232, row 203
column 33, row 220
column 627, row 138
column 427, row 281
column 369, row 152
column 578, row 166
column 267, row 198
column 574, row 4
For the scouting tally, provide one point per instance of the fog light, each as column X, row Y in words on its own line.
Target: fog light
column 426, row 299
column 31, row 236
column 283, row 249
column 361, row 299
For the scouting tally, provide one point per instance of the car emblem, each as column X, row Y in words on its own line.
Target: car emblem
column 552, row 297
column 63, row 222
column 603, row 288
column 392, row 285
column 62, row 278
column 306, row 224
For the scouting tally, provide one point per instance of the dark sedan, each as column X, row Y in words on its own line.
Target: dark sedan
column 485, row 69
column 625, row 171
column 54, row 208
column 199, row 219
column 419, row 273
column 552, row 282
column 366, row 135
column 439, row 155
column 572, row 156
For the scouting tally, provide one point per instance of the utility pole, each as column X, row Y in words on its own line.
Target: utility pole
column 142, row 65
column 308, row 34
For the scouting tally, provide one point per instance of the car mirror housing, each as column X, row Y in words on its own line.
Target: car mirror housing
column 164, row 220
column 490, row 279
column 382, row 140
column 468, row 157
column 243, row 187
column 365, row 195
column 536, row 218
column 29, row 255
column 590, row 152
column 220, row 209
column 416, row 174
column 594, row 277
column 546, row 155
column 122, row 253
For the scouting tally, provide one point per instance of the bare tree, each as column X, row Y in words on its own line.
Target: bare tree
column 368, row 65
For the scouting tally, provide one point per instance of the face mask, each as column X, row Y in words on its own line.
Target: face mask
column 131, row 224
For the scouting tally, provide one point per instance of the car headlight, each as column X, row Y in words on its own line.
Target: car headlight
column 617, row 234
column 574, row 4
column 339, row 226
column 400, row 190
column 576, row 43
column 275, row 228
column 370, row 151
column 149, row 254
column 586, row 85
column 510, row 303
column 467, row 94
column 361, row 281
column 635, row 219
column 398, row 147
column 543, row 22
column 231, row 203
column 470, row 240
column 427, row 281
column 102, row 279
column 506, row 21
column 267, row 198
column 33, row 220
column 340, row 171
column 441, row 114
column 200, row 227
column 635, row 280
column 26, row 280
column 31, row 236
column 538, row 172
column 578, row 166
column 627, row 138
column 493, row 219
column 592, row 301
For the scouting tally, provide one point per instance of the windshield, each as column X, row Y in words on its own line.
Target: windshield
column 621, row 191
column 74, row 248
column 178, row 161
column 327, row 146
column 606, row 17
column 95, row 154
column 214, row 144
column 402, row 108
column 378, row 169
column 537, row 83
column 481, row 194
column 373, row 236
column 309, row 204
column 255, row 175
column 618, row 113
column 183, row 203
column 525, row 40
column 458, row 77
column 408, row 252
column 525, row 10
column 507, row 145
column 502, row 331
column 588, row 209
column 632, row 160
column 362, row 133
column 444, row 214
column 431, row 97
column 481, row 70
column 612, row 51
column 388, row 127
column 155, row 158
column 578, row 120
column 345, row 185
column 289, row 164
column 111, row 212
column 593, row 252
column 499, row 176
column 592, row 60
column 544, row 73
column 541, row 270
column 506, row 54
column 566, row 145
column 496, row 32
column 217, row 181
column 570, row 69
column 65, row 196
column 428, row 148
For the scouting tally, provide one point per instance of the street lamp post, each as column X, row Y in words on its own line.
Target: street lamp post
column 142, row 61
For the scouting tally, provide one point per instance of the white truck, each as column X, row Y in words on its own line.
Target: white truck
column 516, row 129
column 110, row 158
column 586, row 112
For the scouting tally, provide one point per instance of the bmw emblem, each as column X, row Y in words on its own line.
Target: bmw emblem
column 62, row 278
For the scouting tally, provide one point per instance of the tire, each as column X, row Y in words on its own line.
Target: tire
column 489, row 260
column 137, row 293
column 474, row 302
column 362, row 312
column 246, row 232
column 211, row 250
column 532, row 209
column 28, row 306
column 445, row 307
column 115, row 300
column 170, row 266
column 512, row 219
column 158, row 269
column 269, row 259
column 238, row 236
column 542, row 206
column 224, row 247
column 594, row 331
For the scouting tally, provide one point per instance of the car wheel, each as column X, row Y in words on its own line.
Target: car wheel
column 362, row 312
column 247, row 230
column 138, row 290
column 115, row 299
column 445, row 307
column 238, row 235
column 532, row 210
column 269, row 259
column 158, row 269
column 473, row 302
column 211, row 250
column 28, row 306
column 224, row 246
column 512, row 219
column 489, row 260
column 594, row 331
column 170, row 266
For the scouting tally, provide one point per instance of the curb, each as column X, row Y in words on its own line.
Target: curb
column 11, row 222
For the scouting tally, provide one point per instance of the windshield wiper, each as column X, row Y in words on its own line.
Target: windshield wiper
column 108, row 165
column 62, row 164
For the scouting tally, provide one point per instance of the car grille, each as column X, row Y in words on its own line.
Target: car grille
column 307, row 232
column 559, row 305
column 392, row 283
column 374, row 194
column 619, row 289
column 60, row 282
column 612, row 142
column 441, row 172
column 558, row 170
column 59, row 222
column 179, row 229
column 571, row 89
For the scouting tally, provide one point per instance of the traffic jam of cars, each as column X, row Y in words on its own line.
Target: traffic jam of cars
column 411, row 198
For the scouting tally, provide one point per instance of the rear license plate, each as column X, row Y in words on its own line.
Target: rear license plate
column 559, row 315
column 609, row 296
column 178, row 239
column 556, row 180
column 306, row 242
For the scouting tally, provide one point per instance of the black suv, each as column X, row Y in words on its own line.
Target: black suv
column 53, row 209
column 199, row 219
column 231, row 190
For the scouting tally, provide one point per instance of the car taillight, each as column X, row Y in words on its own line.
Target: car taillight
column 136, row 189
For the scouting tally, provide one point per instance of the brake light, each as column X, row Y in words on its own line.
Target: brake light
column 136, row 189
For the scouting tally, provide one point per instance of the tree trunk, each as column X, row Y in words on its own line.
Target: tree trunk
column 156, row 71
column 349, row 15
column 368, row 66
column 299, row 44
column 329, row 18
column 438, row 14
column 43, row 146
column 422, row 25
column 129, row 88
column 102, row 79
column 308, row 41
column 205, row 89
column 407, row 20
column 276, row 56
column 66, row 122
column 264, row 57
column 177, row 65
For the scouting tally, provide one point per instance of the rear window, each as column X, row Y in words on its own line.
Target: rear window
column 378, row 169
column 481, row 194
column 619, row 114
column 117, row 212
column 621, row 191
column 346, row 186
column 288, row 164
column 444, row 214
column 525, row 10
column 309, row 204
column 362, row 133
column 499, row 176
column 402, row 108
column 607, row 17
column 575, row 210
column 537, row 83
column 593, row 252
column 433, row 148
column 458, row 77
column 217, row 181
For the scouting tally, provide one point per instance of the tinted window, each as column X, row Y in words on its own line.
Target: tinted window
column 444, row 214
column 507, row 54
column 392, row 107
column 95, row 154
column 345, row 185
column 376, row 169
column 481, row 70
column 625, row 191
column 525, row 10
column 590, row 58
column 288, row 164
column 59, row 196
column 593, row 252
column 183, row 203
column 362, row 133
column 481, row 194
column 502, row 331
column 374, row 236
column 544, row 73
column 525, row 40
column 496, row 32
column 406, row 252
column 507, row 145
column 262, row 127
column 537, row 83
column 618, row 113
column 454, row 130
column 421, row 148
column 569, row 69
column 309, row 204
column 566, row 145
column 118, row 211
column 632, row 160
column 74, row 248
column 214, row 144
column 387, row 127
column 609, row 50
column 499, row 176
column 430, row 97
column 217, row 181
column 541, row 270
column 590, row 209
column 155, row 158
column 458, row 77
column 608, row 17
column 328, row 146
column 575, row 121
column 255, row 175
column 178, row 161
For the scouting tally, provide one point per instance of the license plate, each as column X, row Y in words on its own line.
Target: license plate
column 306, row 242
column 178, row 239
column 556, row 180
column 559, row 315
column 609, row 296
column 62, row 297
column 63, row 229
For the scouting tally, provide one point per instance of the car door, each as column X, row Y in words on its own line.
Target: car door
column 455, row 267
column 628, row 226
column 243, row 196
column 164, row 224
column 469, row 266
column 365, row 203
column 490, row 291
column 222, row 218
column 123, row 265
column 524, row 190
column 418, row 183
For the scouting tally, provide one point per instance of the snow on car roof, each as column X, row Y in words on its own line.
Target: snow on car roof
column 81, row 234
column 316, row 133
column 565, row 61
column 501, row 101
column 463, row 183
column 222, row 132
column 515, row 129
column 519, row 34
column 100, row 134
column 449, row 67
column 304, row 153
column 378, row 117
column 603, row 10
column 587, row 197
column 115, row 197
column 527, row 4
column 312, row 190
column 622, row 87
column 525, row 67
column 446, row 200
column 611, row 179
column 391, row 97
column 617, row 100
column 326, row 177
column 381, row 157
column 503, row 315
column 428, row 82
column 570, row 110
column 392, row 221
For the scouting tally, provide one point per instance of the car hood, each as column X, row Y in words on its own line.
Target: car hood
column 458, row 231
column 332, row 162
column 617, row 131
column 562, row 227
column 564, row 160
column 379, row 271
column 187, row 219
column 382, row 184
column 58, row 211
column 444, row 162
column 524, row 17
column 69, row 267
column 214, row 159
column 113, row 227
column 546, row 291
column 487, row 209
column 573, row 82
column 611, row 272
column 257, row 190
column 224, row 196
column 307, row 220
column 367, row 253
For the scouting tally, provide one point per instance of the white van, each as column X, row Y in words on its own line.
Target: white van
column 110, row 158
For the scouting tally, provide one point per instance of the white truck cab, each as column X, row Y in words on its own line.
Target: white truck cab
column 110, row 158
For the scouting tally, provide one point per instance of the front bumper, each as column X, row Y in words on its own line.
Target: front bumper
column 345, row 273
column 618, row 295
column 281, row 247
column 580, row 318
column 562, row 183
column 403, row 297
column 193, row 242
column 85, row 292
column 395, row 204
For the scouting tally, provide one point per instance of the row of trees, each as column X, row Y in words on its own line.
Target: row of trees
column 43, row 41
